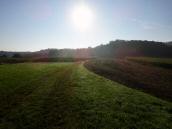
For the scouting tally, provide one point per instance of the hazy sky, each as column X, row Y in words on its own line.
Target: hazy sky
column 29, row 25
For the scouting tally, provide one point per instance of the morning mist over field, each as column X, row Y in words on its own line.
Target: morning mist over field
column 85, row 64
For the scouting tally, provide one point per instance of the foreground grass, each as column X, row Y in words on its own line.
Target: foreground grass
column 67, row 96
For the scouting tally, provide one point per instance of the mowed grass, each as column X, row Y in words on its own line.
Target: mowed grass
column 68, row 96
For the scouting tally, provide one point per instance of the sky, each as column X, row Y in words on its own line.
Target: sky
column 31, row 25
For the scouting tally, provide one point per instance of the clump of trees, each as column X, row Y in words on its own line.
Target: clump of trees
column 123, row 48
column 3, row 56
column 16, row 55
column 53, row 53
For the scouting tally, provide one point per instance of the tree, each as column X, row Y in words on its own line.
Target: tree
column 53, row 53
column 16, row 55
column 4, row 56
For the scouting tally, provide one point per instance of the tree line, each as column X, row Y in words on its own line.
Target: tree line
column 114, row 49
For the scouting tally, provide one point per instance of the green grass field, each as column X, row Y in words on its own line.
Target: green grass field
column 68, row 96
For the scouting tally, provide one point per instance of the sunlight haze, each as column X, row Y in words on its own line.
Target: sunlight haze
column 82, row 17
column 30, row 25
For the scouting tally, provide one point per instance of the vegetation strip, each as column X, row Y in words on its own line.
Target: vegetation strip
column 160, row 62
column 154, row 80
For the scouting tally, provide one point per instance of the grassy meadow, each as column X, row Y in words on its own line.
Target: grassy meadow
column 85, row 64
column 68, row 96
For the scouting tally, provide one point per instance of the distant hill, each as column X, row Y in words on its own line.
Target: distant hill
column 169, row 43
column 114, row 49
column 10, row 53
column 123, row 48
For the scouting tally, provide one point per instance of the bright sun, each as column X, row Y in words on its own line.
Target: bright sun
column 82, row 17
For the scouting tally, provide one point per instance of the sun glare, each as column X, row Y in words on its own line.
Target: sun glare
column 82, row 17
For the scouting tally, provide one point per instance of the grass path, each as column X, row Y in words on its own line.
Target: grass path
column 68, row 96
